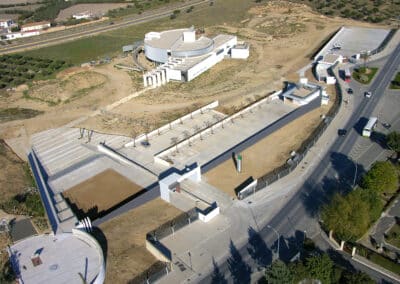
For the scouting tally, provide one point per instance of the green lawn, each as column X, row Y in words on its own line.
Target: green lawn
column 364, row 75
column 396, row 82
column 110, row 43
column 393, row 236
column 384, row 262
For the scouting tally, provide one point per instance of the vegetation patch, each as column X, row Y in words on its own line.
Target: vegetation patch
column 364, row 75
column 350, row 215
column 393, row 236
column 396, row 82
column 9, row 114
column 374, row 11
column 17, row 69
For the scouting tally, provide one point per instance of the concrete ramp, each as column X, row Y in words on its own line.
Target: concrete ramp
column 206, row 193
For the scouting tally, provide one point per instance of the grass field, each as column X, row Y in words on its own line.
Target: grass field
column 393, row 236
column 364, row 75
column 110, row 43
column 9, row 114
column 396, row 82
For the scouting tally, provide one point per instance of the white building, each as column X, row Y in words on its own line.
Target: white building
column 35, row 26
column 83, row 15
column 16, row 35
column 240, row 51
column 304, row 92
column 7, row 23
column 182, row 57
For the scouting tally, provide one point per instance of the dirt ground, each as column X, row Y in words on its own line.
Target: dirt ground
column 282, row 36
column 127, row 255
column 101, row 192
column 98, row 9
column 267, row 154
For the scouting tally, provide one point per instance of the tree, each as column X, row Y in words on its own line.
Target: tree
column 278, row 273
column 382, row 177
column 348, row 216
column 393, row 141
column 320, row 267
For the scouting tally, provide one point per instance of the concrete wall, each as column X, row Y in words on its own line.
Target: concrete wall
column 159, row 251
column 207, row 217
column 85, row 237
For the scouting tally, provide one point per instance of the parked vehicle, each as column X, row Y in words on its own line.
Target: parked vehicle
column 350, row 91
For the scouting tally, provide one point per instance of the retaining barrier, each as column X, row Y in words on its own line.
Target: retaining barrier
column 286, row 169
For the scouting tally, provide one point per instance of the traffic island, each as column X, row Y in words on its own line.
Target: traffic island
column 364, row 75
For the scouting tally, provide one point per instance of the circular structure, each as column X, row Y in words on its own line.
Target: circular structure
column 159, row 46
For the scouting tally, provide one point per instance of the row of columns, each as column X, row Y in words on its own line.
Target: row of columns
column 155, row 78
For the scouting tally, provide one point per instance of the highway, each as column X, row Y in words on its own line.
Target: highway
column 300, row 214
column 90, row 30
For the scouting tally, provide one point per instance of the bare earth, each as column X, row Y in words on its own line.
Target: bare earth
column 267, row 154
column 127, row 255
column 98, row 9
column 274, row 57
column 101, row 192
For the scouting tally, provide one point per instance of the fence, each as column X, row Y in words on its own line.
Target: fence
column 159, row 269
column 287, row 168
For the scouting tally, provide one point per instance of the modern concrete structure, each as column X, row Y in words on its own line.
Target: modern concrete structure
column 11, row 36
column 83, row 15
column 182, row 57
column 303, row 93
column 7, row 23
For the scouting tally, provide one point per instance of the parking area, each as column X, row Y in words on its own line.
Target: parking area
column 354, row 40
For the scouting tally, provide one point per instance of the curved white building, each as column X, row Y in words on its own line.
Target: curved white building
column 181, row 56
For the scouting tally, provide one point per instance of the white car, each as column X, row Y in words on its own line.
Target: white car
column 368, row 94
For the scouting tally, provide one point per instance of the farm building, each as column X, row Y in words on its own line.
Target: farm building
column 182, row 57
column 35, row 26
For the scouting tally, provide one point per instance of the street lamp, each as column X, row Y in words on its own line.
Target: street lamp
column 270, row 227
column 355, row 172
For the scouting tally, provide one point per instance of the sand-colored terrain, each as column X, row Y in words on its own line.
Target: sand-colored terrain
column 275, row 56
column 127, row 255
column 95, row 9
column 100, row 193
column 266, row 155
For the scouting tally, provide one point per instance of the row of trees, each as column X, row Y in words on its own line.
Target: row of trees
column 17, row 69
column 316, row 267
column 350, row 215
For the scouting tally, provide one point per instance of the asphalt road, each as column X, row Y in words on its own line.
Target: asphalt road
column 73, row 34
column 301, row 212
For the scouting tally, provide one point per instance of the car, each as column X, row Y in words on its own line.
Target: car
column 342, row 132
column 368, row 94
column 386, row 125
column 350, row 91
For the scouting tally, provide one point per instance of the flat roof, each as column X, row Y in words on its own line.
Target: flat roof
column 354, row 40
column 64, row 259
column 35, row 24
column 173, row 40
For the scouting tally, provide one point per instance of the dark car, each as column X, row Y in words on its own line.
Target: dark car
column 386, row 125
column 342, row 132
column 350, row 91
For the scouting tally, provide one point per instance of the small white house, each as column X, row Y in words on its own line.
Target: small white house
column 35, row 26
column 83, row 15
column 7, row 23
column 240, row 51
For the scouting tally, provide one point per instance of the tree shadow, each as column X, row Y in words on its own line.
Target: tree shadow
column 102, row 240
column 291, row 248
column 217, row 277
column 347, row 173
column 379, row 138
column 340, row 260
column 258, row 249
column 241, row 271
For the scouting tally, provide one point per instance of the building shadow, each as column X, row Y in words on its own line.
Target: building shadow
column 379, row 138
column 258, row 249
column 240, row 270
column 98, row 234
column 217, row 277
